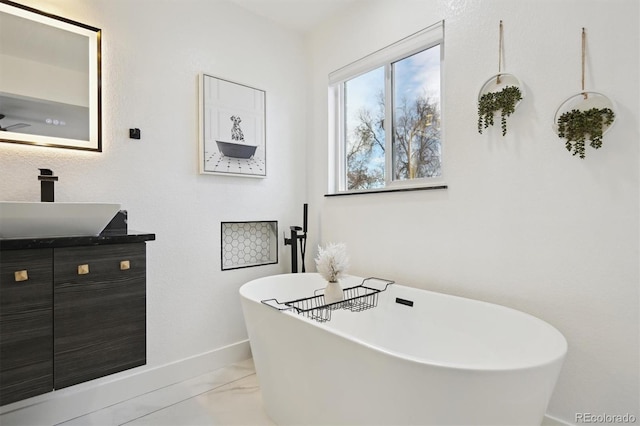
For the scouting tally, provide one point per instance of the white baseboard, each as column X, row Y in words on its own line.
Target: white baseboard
column 65, row 404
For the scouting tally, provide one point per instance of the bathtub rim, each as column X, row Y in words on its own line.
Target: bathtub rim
column 467, row 367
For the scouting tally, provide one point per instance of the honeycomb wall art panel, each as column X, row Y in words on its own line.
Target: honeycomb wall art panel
column 246, row 244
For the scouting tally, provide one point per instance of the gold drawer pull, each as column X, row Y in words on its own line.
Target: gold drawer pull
column 124, row 265
column 83, row 269
column 21, row 275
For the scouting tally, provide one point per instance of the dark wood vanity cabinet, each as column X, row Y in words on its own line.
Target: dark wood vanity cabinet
column 70, row 314
column 26, row 326
column 99, row 313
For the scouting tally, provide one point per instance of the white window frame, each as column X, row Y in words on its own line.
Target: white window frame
column 415, row 43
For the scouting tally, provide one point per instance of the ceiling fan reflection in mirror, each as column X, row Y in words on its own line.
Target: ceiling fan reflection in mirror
column 13, row 126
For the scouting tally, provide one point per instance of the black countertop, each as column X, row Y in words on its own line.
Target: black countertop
column 89, row 240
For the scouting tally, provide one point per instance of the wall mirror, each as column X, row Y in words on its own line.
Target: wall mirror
column 49, row 80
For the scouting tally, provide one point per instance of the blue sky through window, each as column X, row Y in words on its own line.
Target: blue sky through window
column 418, row 75
column 363, row 93
column 414, row 77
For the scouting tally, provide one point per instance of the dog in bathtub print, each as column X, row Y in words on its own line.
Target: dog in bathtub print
column 236, row 150
column 236, row 131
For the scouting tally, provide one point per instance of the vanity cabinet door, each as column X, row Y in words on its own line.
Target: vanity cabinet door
column 26, row 332
column 99, row 311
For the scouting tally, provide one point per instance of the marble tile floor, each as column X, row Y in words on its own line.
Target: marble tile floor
column 228, row 396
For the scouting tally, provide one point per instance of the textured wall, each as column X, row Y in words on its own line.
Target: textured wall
column 153, row 51
column 523, row 223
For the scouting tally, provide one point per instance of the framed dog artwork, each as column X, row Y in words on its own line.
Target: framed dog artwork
column 232, row 128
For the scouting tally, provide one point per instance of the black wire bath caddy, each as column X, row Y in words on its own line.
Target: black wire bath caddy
column 357, row 298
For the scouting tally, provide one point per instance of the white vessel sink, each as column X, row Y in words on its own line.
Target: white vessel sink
column 34, row 220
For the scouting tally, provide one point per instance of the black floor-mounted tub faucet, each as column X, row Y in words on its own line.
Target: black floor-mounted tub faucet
column 295, row 237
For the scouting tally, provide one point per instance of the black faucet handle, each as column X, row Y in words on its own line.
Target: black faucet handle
column 305, row 214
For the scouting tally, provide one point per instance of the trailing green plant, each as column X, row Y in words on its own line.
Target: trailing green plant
column 504, row 101
column 579, row 126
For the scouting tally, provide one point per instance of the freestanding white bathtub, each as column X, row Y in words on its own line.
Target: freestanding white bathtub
column 445, row 360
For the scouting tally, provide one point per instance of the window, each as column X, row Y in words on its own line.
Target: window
column 386, row 117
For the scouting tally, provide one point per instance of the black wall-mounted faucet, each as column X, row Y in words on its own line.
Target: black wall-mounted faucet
column 47, row 179
column 293, row 241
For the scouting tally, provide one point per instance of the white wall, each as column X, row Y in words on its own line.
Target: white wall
column 152, row 54
column 523, row 223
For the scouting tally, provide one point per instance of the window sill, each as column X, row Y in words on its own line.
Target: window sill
column 381, row 190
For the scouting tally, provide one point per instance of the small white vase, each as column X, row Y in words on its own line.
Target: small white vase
column 333, row 292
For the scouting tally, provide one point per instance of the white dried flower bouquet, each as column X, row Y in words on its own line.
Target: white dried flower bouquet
column 332, row 261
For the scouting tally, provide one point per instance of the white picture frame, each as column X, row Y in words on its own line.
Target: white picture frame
column 232, row 138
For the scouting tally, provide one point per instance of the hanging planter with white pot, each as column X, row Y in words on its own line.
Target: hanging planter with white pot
column 584, row 117
column 502, row 93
